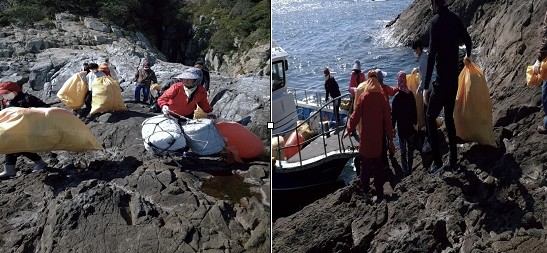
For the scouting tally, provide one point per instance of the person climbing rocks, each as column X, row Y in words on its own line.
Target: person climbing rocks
column 388, row 91
column 91, row 77
column 404, row 117
column 13, row 96
column 183, row 97
column 445, row 32
column 143, row 79
column 421, row 53
column 542, row 129
column 374, row 114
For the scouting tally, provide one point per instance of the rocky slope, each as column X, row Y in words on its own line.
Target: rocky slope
column 123, row 199
column 496, row 204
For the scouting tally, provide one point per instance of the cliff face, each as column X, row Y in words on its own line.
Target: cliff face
column 497, row 204
column 123, row 199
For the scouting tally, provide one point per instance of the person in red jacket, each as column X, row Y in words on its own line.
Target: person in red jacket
column 373, row 112
column 388, row 91
column 357, row 76
column 182, row 98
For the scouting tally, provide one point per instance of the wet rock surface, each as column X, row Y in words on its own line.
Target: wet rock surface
column 122, row 198
column 496, row 203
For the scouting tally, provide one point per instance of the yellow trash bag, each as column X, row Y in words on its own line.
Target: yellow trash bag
column 543, row 69
column 199, row 113
column 73, row 92
column 42, row 130
column 531, row 79
column 473, row 109
column 413, row 81
column 155, row 86
column 107, row 95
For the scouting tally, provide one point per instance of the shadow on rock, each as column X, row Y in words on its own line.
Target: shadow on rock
column 70, row 176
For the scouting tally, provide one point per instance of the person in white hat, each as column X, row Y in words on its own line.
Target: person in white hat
column 183, row 97
column 357, row 76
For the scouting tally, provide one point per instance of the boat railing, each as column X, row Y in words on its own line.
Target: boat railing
column 323, row 133
column 315, row 98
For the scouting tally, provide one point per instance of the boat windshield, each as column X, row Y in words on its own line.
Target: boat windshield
column 278, row 75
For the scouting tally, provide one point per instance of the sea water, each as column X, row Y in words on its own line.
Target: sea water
column 325, row 33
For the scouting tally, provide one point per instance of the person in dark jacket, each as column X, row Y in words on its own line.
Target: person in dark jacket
column 542, row 129
column 14, row 97
column 403, row 115
column 143, row 79
column 332, row 89
column 206, row 78
column 445, row 32
column 372, row 111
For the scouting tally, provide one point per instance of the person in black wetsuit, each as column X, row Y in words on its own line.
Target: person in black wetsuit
column 332, row 89
column 445, row 33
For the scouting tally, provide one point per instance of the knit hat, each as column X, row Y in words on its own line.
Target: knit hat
column 357, row 65
column 7, row 87
column 401, row 82
column 381, row 75
column 146, row 64
column 326, row 71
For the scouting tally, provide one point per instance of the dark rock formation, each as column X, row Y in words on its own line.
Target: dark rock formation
column 497, row 202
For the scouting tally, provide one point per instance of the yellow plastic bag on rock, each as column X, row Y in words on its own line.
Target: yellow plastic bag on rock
column 73, row 92
column 473, row 109
column 413, row 81
column 107, row 95
column 42, row 130
column 531, row 79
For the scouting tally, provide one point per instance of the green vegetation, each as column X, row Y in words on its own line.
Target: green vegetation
column 215, row 23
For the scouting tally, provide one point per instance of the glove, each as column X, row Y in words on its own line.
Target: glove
column 426, row 97
column 536, row 67
column 211, row 115
column 165, row 110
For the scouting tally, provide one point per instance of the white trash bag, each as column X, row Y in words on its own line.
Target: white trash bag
column 162, row 135
column 203, row 137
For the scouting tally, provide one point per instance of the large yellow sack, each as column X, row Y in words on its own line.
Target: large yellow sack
column 73, row 92
column 107, row 95
column 43, row 129
column 531, row 79
column 473, row 109
column 413, row 81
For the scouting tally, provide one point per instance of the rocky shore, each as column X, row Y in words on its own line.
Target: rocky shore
column 496, row 204
column 123, row 199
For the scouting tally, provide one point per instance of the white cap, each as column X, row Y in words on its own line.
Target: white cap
column 381, row 75
column 357, row 65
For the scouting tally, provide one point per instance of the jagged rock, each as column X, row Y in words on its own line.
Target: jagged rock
column 95, row 24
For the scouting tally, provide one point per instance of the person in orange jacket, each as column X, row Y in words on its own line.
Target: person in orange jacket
column 373, row 112
column 182, row 98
